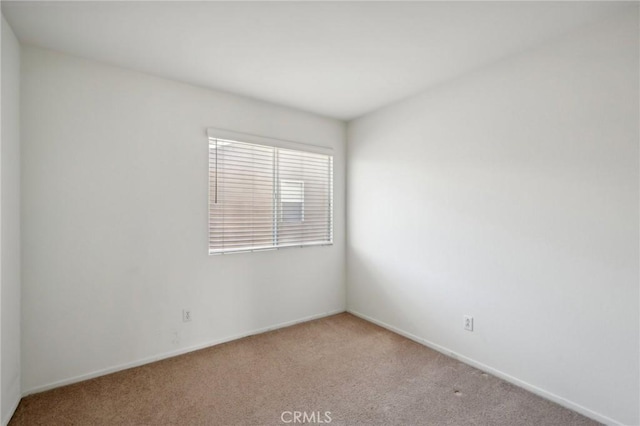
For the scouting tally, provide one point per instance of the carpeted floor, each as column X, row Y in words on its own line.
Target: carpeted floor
column 357, row 371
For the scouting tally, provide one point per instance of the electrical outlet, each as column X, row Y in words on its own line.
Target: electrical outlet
column 186, row 315
column 468, row 322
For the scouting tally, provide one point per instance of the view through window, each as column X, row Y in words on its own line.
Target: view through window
column 264, row 197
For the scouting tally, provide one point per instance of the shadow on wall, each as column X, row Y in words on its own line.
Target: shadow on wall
column 373, row 290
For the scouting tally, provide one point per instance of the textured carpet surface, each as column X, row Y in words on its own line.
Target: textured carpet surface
column 358, row 372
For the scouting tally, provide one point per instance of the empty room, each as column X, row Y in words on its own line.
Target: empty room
column 349, row 213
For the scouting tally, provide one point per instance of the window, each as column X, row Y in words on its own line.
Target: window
column 266, row 194
column 292, row 200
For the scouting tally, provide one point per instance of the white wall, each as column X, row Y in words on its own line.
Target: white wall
column 115, row 221
column 511, row 194
column 10, row 228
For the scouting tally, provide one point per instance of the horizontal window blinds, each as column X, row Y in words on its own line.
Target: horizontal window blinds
column 264, row 197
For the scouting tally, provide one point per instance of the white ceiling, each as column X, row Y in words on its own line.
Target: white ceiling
column 340, row 59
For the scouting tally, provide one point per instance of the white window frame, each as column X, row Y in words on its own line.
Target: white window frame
column 224, row 134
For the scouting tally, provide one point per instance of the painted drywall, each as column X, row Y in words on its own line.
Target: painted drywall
column 114, row 185
column 10, row 229
column 511, row 194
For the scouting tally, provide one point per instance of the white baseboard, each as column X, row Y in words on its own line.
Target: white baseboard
column 480, row 366
column 171, row 354
column 7, row 417
column 520, row 383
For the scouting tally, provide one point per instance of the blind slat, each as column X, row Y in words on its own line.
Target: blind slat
column 264, row 197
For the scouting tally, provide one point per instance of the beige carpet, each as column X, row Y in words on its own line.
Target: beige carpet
column 359, row 372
